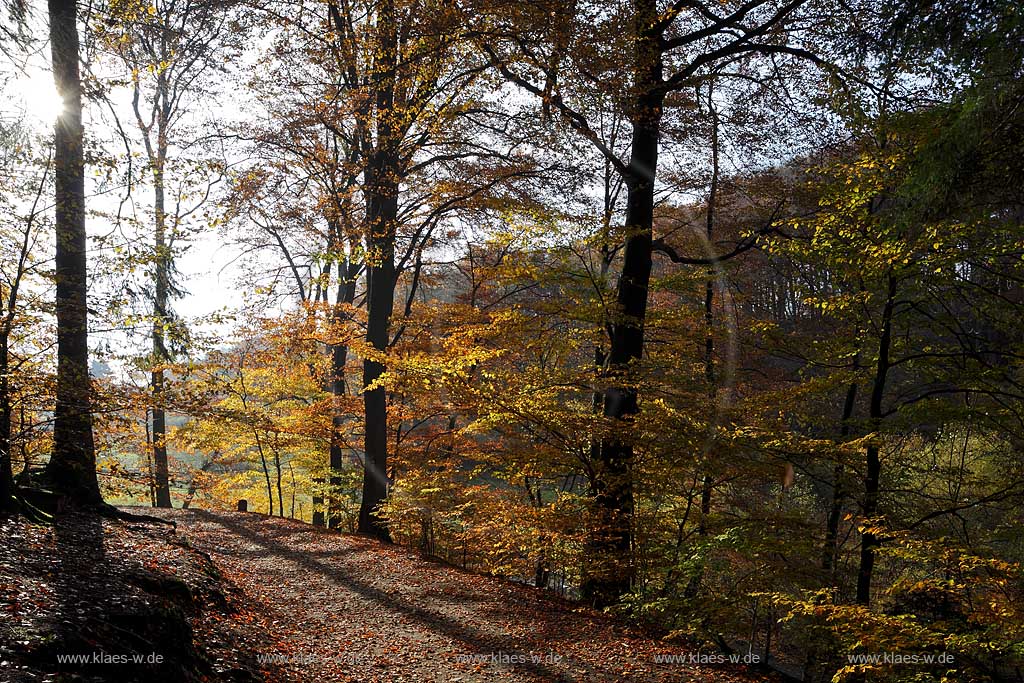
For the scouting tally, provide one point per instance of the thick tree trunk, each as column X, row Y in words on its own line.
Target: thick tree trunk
column 383, row 208
column 869, row 540
column 72, row 466
column 609, row 568
column 382, row 182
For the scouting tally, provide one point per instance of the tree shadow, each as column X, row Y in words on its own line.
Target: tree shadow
column 106, row 626
column 80, row 560
column 474, row 640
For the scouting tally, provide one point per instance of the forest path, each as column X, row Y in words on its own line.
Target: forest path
column 348, row 608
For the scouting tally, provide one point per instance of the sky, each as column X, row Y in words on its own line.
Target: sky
column 208, row 274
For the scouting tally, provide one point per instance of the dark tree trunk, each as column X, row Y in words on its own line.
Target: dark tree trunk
column 7, row 503
column 160, row 301
column 710, row 375
column 266, row 472
column 347, row 271
column 72, row 466
column 318, row 502
column 382, row 210
column 291, row 472
column 609, row 571
column 869, row 540
column 542, row 571
column 382, row 183
column 280, row 489
column 835, row 513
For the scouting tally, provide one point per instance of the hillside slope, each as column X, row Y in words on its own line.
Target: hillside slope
column 98, row 599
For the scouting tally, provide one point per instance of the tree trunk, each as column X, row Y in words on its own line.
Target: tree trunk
column 542, row 567
column 835, row 512
column 160, row 299
column 609, row 571
column 266, row 472
column 347, row 271
column 382, row 210
column 318, row 502
column 72, row 466
column 382, row 178
column 7, row 502
column 869, row 540
column 161, row 296
column 710, row 375
column 280, row 489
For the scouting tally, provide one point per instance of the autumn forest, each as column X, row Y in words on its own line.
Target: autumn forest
column 704, row 318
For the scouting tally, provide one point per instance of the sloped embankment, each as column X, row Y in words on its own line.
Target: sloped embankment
column 95, row 599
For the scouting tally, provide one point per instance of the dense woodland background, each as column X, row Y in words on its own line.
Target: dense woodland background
column 708, row 313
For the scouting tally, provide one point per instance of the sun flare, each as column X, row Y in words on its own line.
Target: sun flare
column 40, row 99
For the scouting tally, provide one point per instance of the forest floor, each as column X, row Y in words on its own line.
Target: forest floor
column 277, row 600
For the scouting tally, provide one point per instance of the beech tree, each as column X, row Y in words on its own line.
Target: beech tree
column 21, row 271
column 260, row 411
column 668, row 50
column 393, row 157
column 168, row 49
column 72, row 467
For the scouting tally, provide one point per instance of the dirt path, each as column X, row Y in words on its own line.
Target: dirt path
column 346, row 608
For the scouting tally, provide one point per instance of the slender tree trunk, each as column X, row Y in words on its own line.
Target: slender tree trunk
column 609, row 570
column 710, row 375
column 291, row 473
column 163, row 491
column 542, row 567
column 869, row 540
column 607, row 257
column 23, row 429
column 339, row 359
column 709, row 232
column 835, row 512
column 161, row 296
column 707, row 481
column 7, row 503
column 72, row 466
column 266, row 472
column 280, row 488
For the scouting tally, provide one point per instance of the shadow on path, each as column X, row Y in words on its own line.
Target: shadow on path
column 472, row 638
